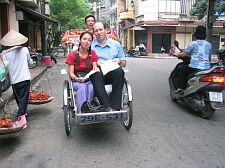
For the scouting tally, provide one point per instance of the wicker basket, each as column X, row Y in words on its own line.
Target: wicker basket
column 37, row 102
column 4, row 131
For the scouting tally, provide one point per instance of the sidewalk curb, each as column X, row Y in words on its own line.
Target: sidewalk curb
column 33, row 80
column 158, row 56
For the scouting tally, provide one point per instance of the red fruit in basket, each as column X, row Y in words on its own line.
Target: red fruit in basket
column 3, row 123
column 8, row 123
column 38, row 96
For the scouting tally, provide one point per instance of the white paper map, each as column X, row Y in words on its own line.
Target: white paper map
column 90, row 73
column 107, row 66
column 64, row 72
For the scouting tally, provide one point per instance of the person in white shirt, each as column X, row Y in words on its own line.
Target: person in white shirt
column 223, row 47
column 141, row 45
column 18, row 58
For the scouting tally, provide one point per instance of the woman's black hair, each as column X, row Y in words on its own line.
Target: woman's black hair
column 81, row 35
column 200, row 32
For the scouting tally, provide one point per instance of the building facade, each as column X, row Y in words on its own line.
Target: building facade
column 157, row 23
column 30, row 18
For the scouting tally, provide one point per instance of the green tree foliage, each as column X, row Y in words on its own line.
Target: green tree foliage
column 200, row 8
column 221, row 6
column 70, row 13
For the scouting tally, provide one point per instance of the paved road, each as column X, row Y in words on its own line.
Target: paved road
column 164, row 134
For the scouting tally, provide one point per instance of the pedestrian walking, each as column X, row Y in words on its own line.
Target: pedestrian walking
column 18, row 59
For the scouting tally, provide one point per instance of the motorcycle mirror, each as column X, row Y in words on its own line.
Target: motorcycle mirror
column 176, row 43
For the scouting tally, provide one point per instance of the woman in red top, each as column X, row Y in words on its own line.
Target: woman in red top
column 83, row 61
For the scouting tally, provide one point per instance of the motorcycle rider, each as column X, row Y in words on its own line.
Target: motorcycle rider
column 200, row 52
column 142, row 49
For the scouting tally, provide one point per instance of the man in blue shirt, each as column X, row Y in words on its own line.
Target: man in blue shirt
column 200, row 52
column 108, row 49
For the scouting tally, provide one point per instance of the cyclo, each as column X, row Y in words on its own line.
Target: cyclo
column 124, row 115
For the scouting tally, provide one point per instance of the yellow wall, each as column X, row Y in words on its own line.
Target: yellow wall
column 39, row 39
column 183, row 39
column 130, row 39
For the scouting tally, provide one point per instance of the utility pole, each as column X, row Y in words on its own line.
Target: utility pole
column 210, row 12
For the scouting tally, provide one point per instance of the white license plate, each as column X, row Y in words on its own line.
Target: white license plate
column 101, row 117
column 216, row 96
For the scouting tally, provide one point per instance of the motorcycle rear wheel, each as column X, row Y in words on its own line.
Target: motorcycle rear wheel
column 207, row 111
column 173, row 98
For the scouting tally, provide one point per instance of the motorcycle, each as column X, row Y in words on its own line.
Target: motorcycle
column 203, row 92
column 221, row 56
column 142, row 51
column 132, row 52
column 36, row 57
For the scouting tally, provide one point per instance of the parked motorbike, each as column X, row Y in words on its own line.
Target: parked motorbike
column 203, row 92
column 132, row 52
column 142, row 51
column 36, row 57
column 221, row 57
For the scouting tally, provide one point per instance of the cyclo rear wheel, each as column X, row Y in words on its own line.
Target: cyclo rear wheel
column 66, row 107
column 127, row 105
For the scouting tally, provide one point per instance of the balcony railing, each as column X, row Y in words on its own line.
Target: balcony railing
column 126, row 15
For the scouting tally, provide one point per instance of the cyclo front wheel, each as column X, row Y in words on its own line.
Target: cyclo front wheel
column 127, row 105
column 66, row 107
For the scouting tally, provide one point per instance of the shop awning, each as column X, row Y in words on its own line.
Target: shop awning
column 137, row 28
column 39, row 15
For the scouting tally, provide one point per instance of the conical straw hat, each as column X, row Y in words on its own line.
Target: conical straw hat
column 13, row 38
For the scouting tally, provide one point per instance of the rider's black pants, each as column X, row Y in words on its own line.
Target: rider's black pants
column 116, row 78
column 175, row 74
column 183, row 75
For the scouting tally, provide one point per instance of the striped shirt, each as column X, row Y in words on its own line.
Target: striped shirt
column 200, row 51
